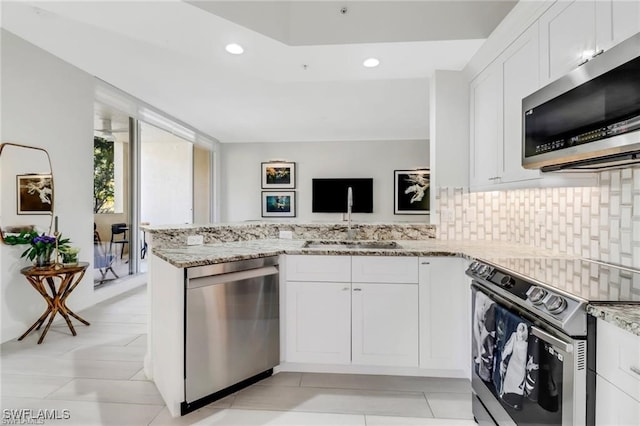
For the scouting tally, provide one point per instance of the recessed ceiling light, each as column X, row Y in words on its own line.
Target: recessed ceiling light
column 234, row 49
column 371, row 63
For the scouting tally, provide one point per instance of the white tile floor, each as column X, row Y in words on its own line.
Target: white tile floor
column 121, row 269
column 97, row 376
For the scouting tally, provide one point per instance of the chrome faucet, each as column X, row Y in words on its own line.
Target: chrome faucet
column 349, row 207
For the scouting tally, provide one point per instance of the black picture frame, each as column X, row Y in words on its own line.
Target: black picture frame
column 411, row 191
column 278, row 175
column 278, row 203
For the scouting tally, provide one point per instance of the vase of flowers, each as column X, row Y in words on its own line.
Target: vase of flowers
column 41, row 246
column 69, row 255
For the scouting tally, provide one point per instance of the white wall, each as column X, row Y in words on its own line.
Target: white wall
column 166, row 175
column 240, row 175
column 47, row 103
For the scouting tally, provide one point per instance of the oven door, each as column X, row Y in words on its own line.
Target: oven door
column 523, row 371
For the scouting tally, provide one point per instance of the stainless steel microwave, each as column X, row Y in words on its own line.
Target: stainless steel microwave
column 590, row 118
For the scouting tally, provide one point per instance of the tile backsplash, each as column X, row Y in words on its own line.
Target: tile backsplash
column 601, row 222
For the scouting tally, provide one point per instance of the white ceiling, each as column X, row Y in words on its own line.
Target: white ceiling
column 171, row 55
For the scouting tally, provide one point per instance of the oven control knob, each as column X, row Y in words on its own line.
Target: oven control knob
column 474, row 266
column 536, row 294
column 507, row 281
column 555, row 304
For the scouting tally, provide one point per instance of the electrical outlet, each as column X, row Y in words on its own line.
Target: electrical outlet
column 287, row 235
column 195, row 240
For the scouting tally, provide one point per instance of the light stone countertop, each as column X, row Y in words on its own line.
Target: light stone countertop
column 624, row 316
column 627, row 317
column 208, row 254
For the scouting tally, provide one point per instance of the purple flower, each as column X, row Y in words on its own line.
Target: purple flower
column 45, row 239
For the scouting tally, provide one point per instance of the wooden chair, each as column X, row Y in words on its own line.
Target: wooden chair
column 119, row 229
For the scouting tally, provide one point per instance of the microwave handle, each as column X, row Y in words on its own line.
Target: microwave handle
column 546, row 337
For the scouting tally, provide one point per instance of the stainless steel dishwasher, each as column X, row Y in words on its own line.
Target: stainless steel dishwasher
column 232, row 331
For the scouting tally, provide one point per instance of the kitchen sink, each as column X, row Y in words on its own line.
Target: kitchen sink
column 341, row 245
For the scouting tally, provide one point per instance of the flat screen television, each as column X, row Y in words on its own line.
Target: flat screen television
column 330, row 195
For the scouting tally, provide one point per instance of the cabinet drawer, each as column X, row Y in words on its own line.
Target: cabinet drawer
column 318, row 268
column 618, row 358
column 384, row 269
column 614, row 407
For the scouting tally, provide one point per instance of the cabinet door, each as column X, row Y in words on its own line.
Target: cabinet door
column 445, row 315
column 567, row 36
column 486, row 126
column 521, row 77
column 614, row 407
column 385, row 324
column 318, row 322
column 384, row 269
column 625, row 19
column 618, row 357
column 616, row 20
column 318, row 268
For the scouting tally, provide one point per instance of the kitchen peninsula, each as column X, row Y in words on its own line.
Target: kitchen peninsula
column 434, row 291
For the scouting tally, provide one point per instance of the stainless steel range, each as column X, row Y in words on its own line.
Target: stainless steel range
column 533, row 343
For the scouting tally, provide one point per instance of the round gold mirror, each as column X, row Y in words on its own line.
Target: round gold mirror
column 26, row 177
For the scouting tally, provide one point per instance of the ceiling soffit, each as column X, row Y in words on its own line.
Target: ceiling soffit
column 303, row 23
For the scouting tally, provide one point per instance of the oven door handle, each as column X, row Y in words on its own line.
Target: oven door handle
column 543, row 335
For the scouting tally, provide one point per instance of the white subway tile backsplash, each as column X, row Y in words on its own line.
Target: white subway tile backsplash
column 627, row 192
column 625, row 217
column 615, row 179
column 597, row 222
column 614, row 204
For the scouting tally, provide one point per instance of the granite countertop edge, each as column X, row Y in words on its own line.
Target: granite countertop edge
column 625, row 316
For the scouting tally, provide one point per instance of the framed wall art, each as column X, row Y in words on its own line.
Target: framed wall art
column 278, row 204
column 35, row 194
column 278, row 175
column 411, row 191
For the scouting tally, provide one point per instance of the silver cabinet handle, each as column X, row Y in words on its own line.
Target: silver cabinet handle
column 425, row 263
column 345, row 289
column 599, row 52
column 357, row 289
column 635, row 369
column 494, row 178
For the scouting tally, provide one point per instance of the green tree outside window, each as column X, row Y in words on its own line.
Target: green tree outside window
column 103, row 176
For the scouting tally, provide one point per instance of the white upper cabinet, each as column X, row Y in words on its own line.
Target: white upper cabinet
column 616, row 21
column 521, row 77
column 572, row 32
column 567, row 36
column 486, row 126
column 496, row 106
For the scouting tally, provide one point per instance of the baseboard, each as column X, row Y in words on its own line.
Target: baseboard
column 368, row 369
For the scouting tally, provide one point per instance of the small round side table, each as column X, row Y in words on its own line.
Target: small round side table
column 44, row 281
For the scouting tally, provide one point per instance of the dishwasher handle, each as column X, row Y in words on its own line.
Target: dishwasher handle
column 210, row 280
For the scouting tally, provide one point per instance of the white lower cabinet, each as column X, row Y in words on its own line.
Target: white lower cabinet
column 445, row 315
column 614, row 407
column 618, row 376
column 318, row 323
column 385, row 324
column 363, row 323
